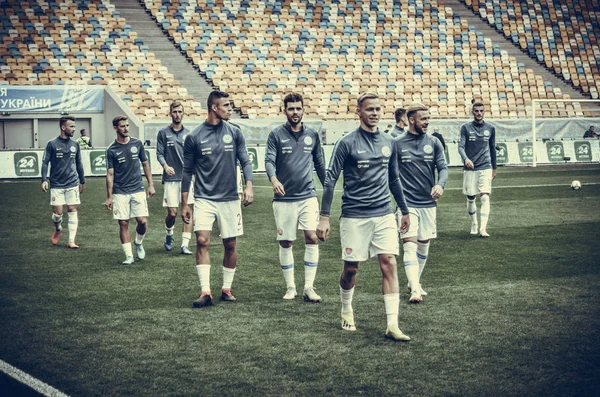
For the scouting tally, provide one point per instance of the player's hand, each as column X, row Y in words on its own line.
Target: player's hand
column 45, row 186
column 109, row 203
column 169, row 170
column 277, row 187
column 404, row 223
column 323, row 228
column 469, row 164
column 151, row 191
column 493, row 174
column 248, row 194
column 437, row 191
column 186, row 214
column 81, row 188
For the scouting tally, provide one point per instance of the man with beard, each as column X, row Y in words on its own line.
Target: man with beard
column 66, row 178
column 477, row 148
column 367, row 226
column 125, row 195
column 169, row 152
column 292, row 149
column 419, row 155
column 211, row 153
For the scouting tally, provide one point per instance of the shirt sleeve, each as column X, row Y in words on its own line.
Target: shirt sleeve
column 319, row 159
column 271, row 155
column 46, row 160
column 394, row 181
column 462, row 141
column 336, row 165
column 242, row 156
column 493, row 146
column 440, row 164
column 109, row 159
column 79, row 166
column 142, row 156
column 160, row 148
column 188, row 163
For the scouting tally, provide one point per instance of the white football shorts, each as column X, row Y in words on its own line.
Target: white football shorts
column 477, row 182
column 422, row 223
column 295, row 215
column 68, row 196
column 172, row 193
column 363, row 238
column 228, row 215
column 126, row 206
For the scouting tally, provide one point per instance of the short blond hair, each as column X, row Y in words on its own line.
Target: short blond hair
column 414, row 108
column 364, row 97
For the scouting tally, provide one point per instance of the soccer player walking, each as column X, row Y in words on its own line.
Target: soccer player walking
column 125, row 195
column 477, row 148
column 169, row 152
column 67, row 179
column 419, row 155
column 292, row 149
column 211, row 152
column 367, row 225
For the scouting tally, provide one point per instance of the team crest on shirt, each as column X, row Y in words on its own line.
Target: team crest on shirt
column 386, row 151
column 227, row 138
column 280, row 232
column 115, row 212
column 308, row 140
column 348, row 251
column 72, row 149
column 427, row 149
column 133, row 150
column 486, row 133
column 53, row 198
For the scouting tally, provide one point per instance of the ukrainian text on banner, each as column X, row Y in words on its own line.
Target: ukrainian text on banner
column 67, row 98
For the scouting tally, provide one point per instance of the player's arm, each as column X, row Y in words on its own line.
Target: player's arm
column 45, row 161
column 160, row 153
column 147, row 170
column 319, row 160
column 493, row 150
column 462, row 142
column 396, row 188
column 271, row 164
column 246, row 164
column 80, row 171
column 189, row 161
column 336, row 165
column 110, row 181
column 442, row 168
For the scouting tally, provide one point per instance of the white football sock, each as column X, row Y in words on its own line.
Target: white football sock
column 204, row 276
column 127, row 250
column 311, row 261
column 57, row 219
column 185, row 238
column 228, row 277
column 472, row 210
column 139, row 238
column 346, row 298
column 422, row 252
column 392, row 303
column 286, row 260
column 411, row 264
column 73, row 222
column 169, row 230
column 485, row 211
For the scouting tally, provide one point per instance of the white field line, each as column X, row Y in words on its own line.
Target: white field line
column 30, row 381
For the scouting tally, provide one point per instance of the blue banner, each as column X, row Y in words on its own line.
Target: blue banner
column 57, row 98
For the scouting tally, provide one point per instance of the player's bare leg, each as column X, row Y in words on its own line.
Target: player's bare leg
column 169, row 227
column 484, row 214
column 391, row 296
column 126, row 241
column 229, row 266
column 347, row 281
column 140, row 233
column 57, row 216
column 203, row 268
column 73, row 223
column 187, row 234
column 472, row 210
column 286, row 261
column 311, row 262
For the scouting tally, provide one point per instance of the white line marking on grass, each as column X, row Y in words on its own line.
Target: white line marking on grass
column 30, row 381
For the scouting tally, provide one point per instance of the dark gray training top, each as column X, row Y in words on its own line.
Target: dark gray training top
column 211, row 153
column 370, row 173
column 169, row 150
column 66, row 168
column 125, row 159
column 478, row 143
column 418, row 157
column 290, row 157
column 397, row 131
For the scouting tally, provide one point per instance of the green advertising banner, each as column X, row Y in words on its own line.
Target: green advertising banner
column 98, row 162
column 253, row 155
column 526, row 152
column 501, row 153
column 555, row 150
column 26, row 164
column 583, row 151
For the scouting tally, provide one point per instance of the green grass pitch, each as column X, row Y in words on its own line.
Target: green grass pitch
column 514, row 315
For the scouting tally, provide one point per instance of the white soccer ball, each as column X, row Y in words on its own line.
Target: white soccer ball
column 575, row 185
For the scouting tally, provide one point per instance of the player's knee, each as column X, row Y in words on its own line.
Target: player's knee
column 311, row 238
column 124, row 223
column 202, row 240
column 351, row 268
column 229, row 245
column 285, row 244
column 172, row 212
